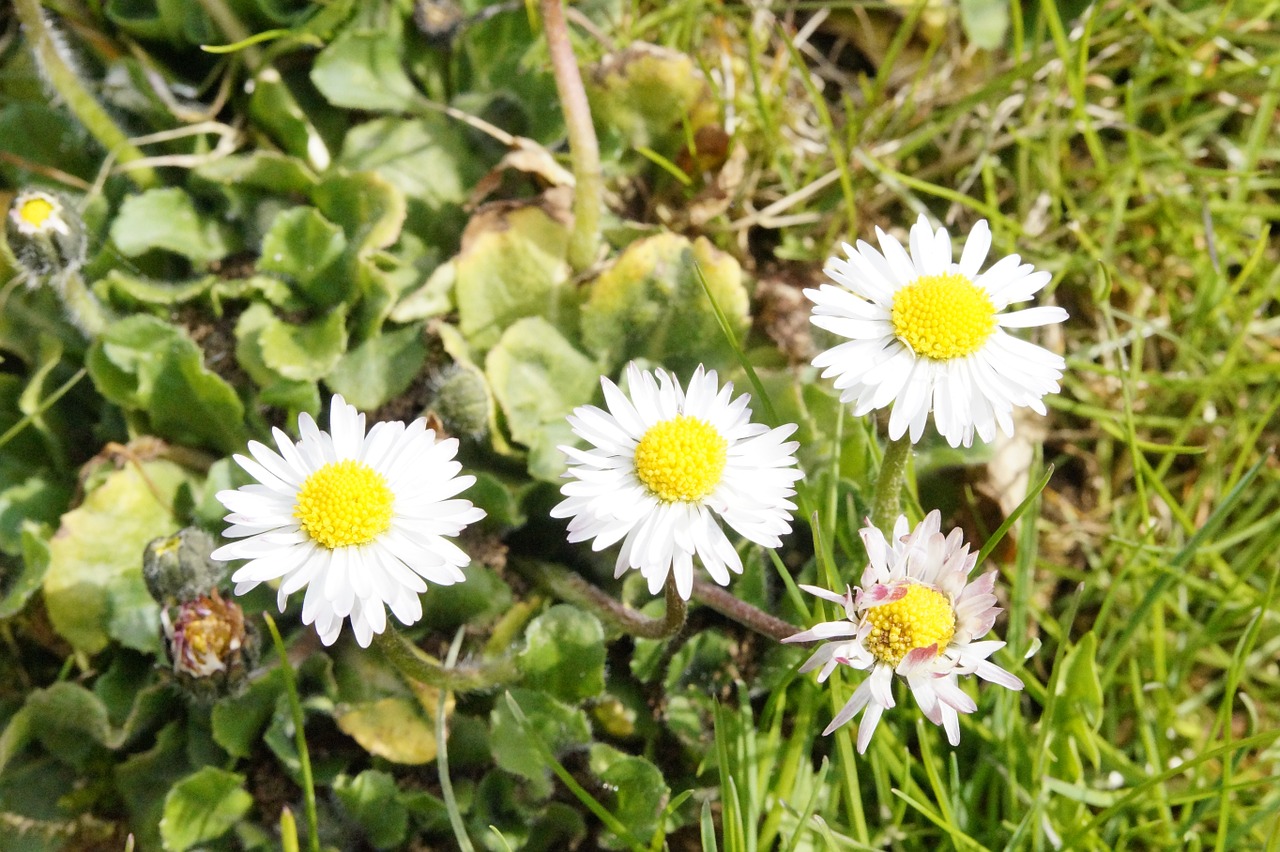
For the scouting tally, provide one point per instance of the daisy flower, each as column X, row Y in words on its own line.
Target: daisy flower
column 357, row 519
column 666, row 466
column 915, row 615
column 927, row 334
column 34, row 212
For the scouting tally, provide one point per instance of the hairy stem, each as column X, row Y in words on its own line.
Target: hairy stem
column 742, row 612
column 573, row 588
column 584, row 150
column 893, row 476
column 417, row 666
column 300, row 734
column 82, row 104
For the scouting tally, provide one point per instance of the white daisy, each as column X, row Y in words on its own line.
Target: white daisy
column 927, row 334
column 916, row 615
column 664, row 464
column 34, row 212
column 359, row 520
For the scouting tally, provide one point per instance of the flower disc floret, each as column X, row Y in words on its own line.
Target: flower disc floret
column 921, row 618
column 681, row 459
column 344, row 503
column 943, row 316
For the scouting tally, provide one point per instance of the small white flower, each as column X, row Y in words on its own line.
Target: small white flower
column 915, row 615
column 928, row 334
column 664, row 464
column 34, row 212
column 359, row 520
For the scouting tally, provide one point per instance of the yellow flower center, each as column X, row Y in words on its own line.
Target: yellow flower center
column 918, row 619
column 943, row 316
column 36, row 210
column 343, row 504
column 681, row 459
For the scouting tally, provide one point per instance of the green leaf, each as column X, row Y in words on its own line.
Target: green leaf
column 137, row 289
column 34, row 500
column 144, row 780
column 27, row 129
column 143, row 364
column 291, row 394
column 649, row 96
column 373, row 800
column 69, row 721
column 167, row 219
column 269, row 171
column 369, row 208
column 511, row 266
column 538, row 377
column 93, row 589
column 482, row 598
column 518, row 744
column 985, row 22
column 305, row 352
column 638, row 788
column 237, row 721
column 379, row 369
column 650, row 305
column 273, row 107
column 202, row 807
column 363, row 69
column 564, row 654
column 18, row 587
column 302, row 246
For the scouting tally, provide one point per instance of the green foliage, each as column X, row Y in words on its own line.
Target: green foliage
column 93, row 588
column 564, row 654
column 167, row 219
column 202, row 807
column 155, row 371
column 359, row 199
column 650, row 306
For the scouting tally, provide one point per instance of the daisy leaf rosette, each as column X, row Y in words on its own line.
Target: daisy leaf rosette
column 360, row 520
column 666, row 467
column 926, row 334
column 915, row 615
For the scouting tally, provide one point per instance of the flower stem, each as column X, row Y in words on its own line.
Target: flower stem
column 411, row 662
column 575, row 589
column 299, row 733
column 742, row 612
column 82, row 104
column 442, row 753
column 893, row 476
column 584, row 150
column 82, row 307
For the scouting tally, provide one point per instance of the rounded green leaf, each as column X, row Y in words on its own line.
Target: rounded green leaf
column 203, row 807
column 511, row 266
column 373, row 800
column 93, row 589
column 651, row 305
column 564, row 654
column 305, row 352
column 301, row 245
column 538, row 377
column 522, row 736
column 167, row 219
column 379, row 369
column 362, row 69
